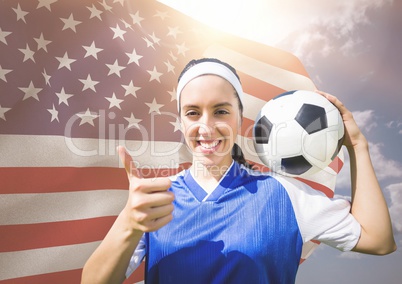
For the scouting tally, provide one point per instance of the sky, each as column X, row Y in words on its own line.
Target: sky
column 351, row 49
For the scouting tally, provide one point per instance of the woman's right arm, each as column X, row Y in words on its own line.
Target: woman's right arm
column 149, row 207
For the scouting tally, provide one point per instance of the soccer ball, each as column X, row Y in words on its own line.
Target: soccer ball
column 298, row 133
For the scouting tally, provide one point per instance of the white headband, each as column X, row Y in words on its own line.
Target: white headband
column 205, row 68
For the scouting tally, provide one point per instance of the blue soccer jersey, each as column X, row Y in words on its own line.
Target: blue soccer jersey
column 250, row 229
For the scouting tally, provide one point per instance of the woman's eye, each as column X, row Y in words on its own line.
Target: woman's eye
column 191, row 113
column 221, row 112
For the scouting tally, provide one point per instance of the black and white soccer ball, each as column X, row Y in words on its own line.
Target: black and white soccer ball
column 298, row 133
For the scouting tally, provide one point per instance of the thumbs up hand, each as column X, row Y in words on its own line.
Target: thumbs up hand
column 150, row 204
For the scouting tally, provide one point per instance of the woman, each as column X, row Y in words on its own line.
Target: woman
column 221, row 222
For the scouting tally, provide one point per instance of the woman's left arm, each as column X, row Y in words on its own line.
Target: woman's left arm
column 368, row 203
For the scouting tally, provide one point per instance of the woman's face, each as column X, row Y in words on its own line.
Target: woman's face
column 210, row 119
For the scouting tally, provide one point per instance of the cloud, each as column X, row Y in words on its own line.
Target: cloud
column 385, row 168
column 395, row 206
column 395, row 125
column 332, row 29
column 365, row 119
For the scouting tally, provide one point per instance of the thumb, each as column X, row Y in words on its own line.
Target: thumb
column 128, row 163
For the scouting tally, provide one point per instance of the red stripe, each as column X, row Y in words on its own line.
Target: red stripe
column 336, row 164
column 247, row 128
column 258, row 88
column 31, row 236
column 68, row 277
column 264, row 53
column 51, row 179
column 317, row 186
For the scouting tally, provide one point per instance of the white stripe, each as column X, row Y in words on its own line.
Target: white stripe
column 46, row 260
column 59, row 151
column 270, row 74
column 65, row 206
column 252, row 106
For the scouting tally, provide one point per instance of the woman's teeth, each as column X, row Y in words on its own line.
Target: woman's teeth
column 209, row 145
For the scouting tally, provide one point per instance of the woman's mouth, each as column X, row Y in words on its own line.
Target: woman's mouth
column 209, row 146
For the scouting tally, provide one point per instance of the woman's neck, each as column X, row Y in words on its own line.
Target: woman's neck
column 208, row 176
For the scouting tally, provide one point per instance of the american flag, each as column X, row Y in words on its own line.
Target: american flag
column 78, row 78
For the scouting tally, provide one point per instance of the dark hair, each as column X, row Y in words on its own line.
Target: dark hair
column 237, row 153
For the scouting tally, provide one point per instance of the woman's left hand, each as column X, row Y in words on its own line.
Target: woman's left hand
column 353, row 135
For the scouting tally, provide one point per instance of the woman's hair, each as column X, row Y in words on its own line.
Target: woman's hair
column 237, row 153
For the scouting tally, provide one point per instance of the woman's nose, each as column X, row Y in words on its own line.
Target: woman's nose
column 206, row 125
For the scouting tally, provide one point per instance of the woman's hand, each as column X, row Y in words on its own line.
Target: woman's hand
column 150, row 204
column 353, row 135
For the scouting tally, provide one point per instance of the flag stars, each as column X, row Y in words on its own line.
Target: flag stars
column 46, row 77
column 154, row 106
column 119, row 1
column 92, row 50
column 95, row 12
column 63, row 97
column 131, row 89
column 176, row 125
column 31, row 92
column 118, row 32
column 106, row 6
column 161, row 15
column 70, row 23
column 45, row 3
column 155, row 39
column 42, row 43
column 182, row 49
column 3, row 73
column 87, row 117
column 148, row 42
column 54, row 113
column 154, row 75
column 169, row 66
column 114, row 102
column 28, row 53
column 20, row 13
column 3, row 110
column 132, row 121
column 172, row 94
column 174, row 58
column 115, row 68
column 65, row 61
column 134, row 57
column 3, row 35
column 136, row 18
column 173, row 31
column 89, row 83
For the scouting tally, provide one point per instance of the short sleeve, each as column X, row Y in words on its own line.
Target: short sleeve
column 137, row 257
column 320, row 218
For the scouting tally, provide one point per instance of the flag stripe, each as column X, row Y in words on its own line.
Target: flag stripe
column 263, row 71
column 63, row 206
column 45, row 151
column 258, row 88
column 28, row 262
column 66, row 261
column 30, row 180
column 62, row 277
column 30, row 236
